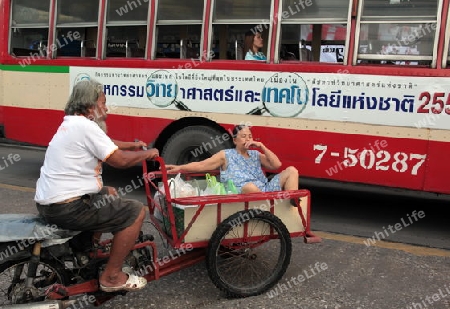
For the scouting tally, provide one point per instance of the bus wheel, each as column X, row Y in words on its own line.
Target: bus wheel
column 194, row 143
column 248, row 253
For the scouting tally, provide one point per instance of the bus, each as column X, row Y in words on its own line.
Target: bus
column 353, row 91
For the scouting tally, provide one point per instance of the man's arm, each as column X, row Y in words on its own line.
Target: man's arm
column 129, row 145
column 125, row 159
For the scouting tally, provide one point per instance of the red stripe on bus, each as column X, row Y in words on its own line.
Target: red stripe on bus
column 402, row 162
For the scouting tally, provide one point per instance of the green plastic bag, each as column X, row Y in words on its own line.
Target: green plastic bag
column 216, row 188
column 211, row 181
column 231, row 188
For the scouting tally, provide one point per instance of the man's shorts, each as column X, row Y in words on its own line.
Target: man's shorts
column 96, row 213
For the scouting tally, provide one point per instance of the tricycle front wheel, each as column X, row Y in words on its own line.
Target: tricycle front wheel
column 248, row 253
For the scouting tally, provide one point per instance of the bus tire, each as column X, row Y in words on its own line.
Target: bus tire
column 194, row 143
column 251, row 266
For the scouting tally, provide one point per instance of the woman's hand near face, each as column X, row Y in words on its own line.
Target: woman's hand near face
column 252, row 143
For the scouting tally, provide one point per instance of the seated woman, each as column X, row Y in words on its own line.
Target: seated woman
column 253, row 42
column 244, row 166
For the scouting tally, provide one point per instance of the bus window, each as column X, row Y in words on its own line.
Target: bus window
column 179, row 29
column 126, row 41
column 397, row 32
column 314, row 31
column 126, row 28
column 29, row 28
column 297, row 43
column 182, row 41
column 76, row 28
column 228, row 41
column 232, row 19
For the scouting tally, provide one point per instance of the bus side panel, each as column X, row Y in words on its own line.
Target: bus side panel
column 37, row 126
column 385, row 161
column 34, row 126
column 438, row 169
column 2, row 112
column 127, row 128
column 2, row 46
column 397, row 162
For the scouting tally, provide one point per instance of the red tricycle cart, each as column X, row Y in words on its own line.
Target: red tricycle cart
column 245, row 238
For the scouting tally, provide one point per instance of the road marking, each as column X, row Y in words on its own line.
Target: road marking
column 17, row 188
column 416, row 250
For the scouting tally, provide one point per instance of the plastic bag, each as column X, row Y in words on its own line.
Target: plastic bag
column 180, row 188
column 213, row 186
column 211, row 181
column 231, row 188
column 217, row 188
column 160, row 199
column 208, row 191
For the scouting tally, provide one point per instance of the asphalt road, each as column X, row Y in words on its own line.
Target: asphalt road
column 385, row 274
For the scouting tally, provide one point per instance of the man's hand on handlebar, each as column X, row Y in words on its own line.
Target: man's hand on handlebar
column 140, row 145
column 152, row 153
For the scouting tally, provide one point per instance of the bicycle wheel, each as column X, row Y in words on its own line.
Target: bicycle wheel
column 248, row 253
column 13, row 277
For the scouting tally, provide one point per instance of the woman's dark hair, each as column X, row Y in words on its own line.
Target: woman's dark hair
column 237, row 128
column 248, row 40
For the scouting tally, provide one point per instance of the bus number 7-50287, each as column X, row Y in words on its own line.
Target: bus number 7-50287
column 381, row 160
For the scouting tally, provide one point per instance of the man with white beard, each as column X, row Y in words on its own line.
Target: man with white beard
column 70, row 183
column 100, row 116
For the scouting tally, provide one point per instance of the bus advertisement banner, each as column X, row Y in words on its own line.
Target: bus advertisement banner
column 369, row 99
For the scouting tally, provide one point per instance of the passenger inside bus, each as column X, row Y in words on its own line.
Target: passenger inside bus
column 253, row 43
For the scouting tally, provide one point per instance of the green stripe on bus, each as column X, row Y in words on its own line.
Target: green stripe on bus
column 35, row 68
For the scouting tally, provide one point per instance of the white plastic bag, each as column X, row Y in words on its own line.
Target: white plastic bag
column 180, row 188
column 208, row 191
column 160, row 199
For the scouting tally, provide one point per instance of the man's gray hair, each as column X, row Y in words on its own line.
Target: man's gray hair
column 83, row 97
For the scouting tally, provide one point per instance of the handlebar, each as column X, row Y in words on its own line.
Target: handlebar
column 163, row 171
column 143, row 147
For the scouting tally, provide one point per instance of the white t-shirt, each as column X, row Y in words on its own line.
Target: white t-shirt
column 73, row 161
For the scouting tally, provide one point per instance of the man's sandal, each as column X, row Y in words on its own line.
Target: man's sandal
column 134, row 283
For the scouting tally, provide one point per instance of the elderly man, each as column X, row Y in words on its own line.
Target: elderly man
column 70, row 184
